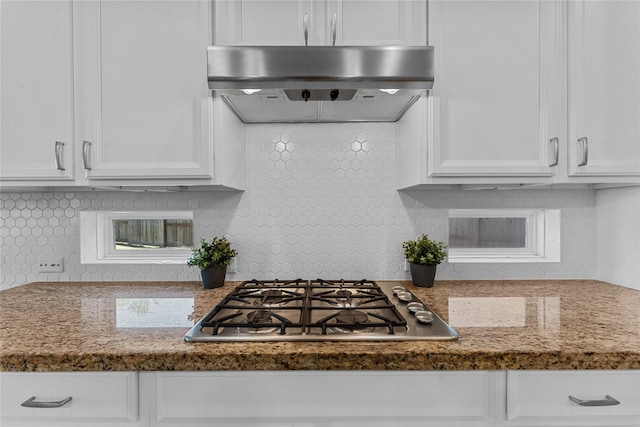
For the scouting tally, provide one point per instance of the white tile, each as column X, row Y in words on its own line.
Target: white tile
column 320, row 201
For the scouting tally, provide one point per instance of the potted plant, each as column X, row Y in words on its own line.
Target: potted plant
column 212, row 259
column 423, row 256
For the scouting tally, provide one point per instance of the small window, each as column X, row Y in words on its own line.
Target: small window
column 488, row 233
column 136, row 237
column 504, row 235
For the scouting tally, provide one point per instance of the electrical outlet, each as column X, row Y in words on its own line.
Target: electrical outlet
column 406, row 265
column 48, row 264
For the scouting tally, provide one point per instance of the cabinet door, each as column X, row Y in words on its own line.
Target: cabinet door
column 375, row 22
column 97, row 399
column 325, row 399
column 541, row 398
column 145, row 103
column 36, row 87
column 604, row 88
column 354, row 22
column 260, row 22
column 497, row 102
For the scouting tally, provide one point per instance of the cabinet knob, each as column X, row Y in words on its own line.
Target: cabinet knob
column 32, row 403
column 607, row 401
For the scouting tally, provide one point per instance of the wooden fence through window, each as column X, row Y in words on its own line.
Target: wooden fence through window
column 153, row 233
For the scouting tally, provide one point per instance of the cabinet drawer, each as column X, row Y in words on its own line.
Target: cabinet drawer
column 109, row 396
column 544, row 395
column 326, row 398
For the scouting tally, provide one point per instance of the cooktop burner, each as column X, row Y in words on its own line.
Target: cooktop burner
column 319, row 310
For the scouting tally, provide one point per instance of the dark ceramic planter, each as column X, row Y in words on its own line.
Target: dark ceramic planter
column 423, row 275
column 213, row 277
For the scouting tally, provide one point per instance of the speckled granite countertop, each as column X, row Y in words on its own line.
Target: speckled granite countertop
column 110, row 326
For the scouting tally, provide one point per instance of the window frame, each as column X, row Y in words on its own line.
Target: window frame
column 542, row 237
column 98, row 242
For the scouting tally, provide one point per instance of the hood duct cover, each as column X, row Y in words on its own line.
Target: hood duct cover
column 263, row 84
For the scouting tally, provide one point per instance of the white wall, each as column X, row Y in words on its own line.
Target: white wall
column 320, row 201
column 618, row 236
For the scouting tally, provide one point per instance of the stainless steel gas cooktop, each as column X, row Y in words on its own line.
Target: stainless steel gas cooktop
column 320, row 310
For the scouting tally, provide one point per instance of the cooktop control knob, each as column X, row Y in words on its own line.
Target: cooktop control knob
column 424, row 316
column 398, row 289
column 416, row 306
column 405, row 296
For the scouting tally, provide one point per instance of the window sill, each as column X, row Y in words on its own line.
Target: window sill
column 462, row 259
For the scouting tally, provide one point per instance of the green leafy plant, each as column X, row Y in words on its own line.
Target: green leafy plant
column 217, row 252
column 424, row 251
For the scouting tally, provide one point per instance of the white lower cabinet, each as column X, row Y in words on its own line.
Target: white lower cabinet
column 98, row 399
column 325, row 398
column 541, row 398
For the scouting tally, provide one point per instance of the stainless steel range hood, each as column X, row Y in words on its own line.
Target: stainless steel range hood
column 266, row 84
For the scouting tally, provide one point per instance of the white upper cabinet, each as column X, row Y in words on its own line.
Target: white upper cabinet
column 375, row 22
column 528, row 92
column 111, row 94
column 604, row 88
column 259, row 22
column 36, row 91
column 348, row 22
column 495, row 109
column 145, row 105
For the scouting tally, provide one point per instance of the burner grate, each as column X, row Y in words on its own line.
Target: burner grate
column 267, row 305
column 314, row 310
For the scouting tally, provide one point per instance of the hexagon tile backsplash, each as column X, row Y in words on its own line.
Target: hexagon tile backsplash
column 320, row 201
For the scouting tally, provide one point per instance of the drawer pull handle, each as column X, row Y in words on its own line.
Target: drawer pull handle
column 584, row 142
column 334, row 25
column 86, row 146
column 31, row 403
column 607, row 401
column 58, row 151
column 556, row 151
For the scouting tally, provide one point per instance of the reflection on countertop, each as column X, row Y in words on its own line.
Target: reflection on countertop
column 139, row 312
column 488, row 312
column 541, row 313
column 153, row 312
column 534, row 317
column 133, row 326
